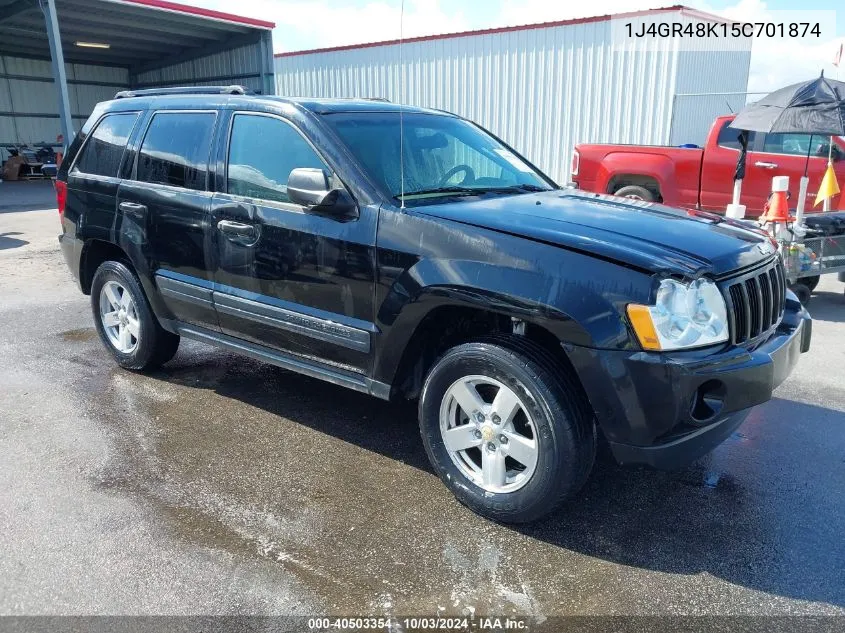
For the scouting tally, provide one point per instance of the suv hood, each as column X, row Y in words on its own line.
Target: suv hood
column 644, row 235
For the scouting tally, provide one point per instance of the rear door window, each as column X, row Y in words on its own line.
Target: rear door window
column 103, row 152
column 796, row 144
column 175, row 149
column 262, row 153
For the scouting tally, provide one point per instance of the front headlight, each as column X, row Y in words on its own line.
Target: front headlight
column 683, row 316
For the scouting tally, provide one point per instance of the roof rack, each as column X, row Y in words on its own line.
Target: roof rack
column 185, row 90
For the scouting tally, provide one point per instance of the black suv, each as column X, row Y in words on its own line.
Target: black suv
column 408, row 253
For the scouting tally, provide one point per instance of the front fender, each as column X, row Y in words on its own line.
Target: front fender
column 577, row 309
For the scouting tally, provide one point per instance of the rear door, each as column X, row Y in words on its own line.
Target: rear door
column 287, row 277
column 93, row 178
column 164, row 208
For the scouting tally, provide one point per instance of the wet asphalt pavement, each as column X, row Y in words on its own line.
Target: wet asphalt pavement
column 222, row 485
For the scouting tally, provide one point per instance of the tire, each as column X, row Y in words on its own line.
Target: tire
column 802, row 291
column 147, row 345
column 811, row 282
column 560, row 425
column 636, row 192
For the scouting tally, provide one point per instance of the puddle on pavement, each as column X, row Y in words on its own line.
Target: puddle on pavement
column 335, row 488
column 331, row 485
column 80, row 335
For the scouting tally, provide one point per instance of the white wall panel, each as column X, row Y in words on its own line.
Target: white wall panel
column 27, row 91
column 28, row 67
column 238, row 66
column 705, row 77
column 108, row 74
column 542, row 90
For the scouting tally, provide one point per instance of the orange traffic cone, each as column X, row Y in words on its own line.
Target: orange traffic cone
column 776, row 208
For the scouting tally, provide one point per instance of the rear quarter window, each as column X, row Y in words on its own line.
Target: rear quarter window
column 103, row 152
column 729, row 137
column 175, row 149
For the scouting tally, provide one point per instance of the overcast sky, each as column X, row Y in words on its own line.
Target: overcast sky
column 305, row 24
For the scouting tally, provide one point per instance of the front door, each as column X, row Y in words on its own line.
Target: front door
column 286, row 277
column 719, row 167
column 168, row 201
column 786, row 155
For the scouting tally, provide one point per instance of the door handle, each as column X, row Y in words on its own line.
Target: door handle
column 133, row 208
column 237, row 229
column 765, row 165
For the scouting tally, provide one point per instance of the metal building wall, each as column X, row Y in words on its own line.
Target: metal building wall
column 541, row 89
column 28, row 103
column 710, row 83
column 240, row 66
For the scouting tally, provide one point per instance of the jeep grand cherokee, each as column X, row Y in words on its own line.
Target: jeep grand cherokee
column 409, row 253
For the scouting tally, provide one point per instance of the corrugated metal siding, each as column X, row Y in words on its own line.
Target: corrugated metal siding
column 704, row 76
column 27, row 90
column 240, row 66
column 542, row 90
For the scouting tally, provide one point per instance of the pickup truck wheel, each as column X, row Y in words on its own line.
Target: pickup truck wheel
column 635, row 192
column 125, row 322
column 802, row 291
column 811, row 282
column 506, row 434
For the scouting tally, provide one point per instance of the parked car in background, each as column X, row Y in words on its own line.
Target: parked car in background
column 703, row 177
column 408, row 253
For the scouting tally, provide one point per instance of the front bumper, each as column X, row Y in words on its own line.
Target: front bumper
column 668, row 409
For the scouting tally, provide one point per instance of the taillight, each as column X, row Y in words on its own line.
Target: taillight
column 61, row 196
column 576, row 162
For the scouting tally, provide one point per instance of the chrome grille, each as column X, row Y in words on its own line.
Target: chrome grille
column 755, row 301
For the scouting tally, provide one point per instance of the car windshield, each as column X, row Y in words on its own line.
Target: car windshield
column 444, row 157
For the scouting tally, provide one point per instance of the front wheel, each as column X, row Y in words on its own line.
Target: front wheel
column 506, row 429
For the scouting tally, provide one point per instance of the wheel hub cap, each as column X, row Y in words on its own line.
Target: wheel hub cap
column 489, row 434
column 119, row 317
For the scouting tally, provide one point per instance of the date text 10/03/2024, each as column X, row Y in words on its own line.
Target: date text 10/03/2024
column 412, row 624
column 723, row 29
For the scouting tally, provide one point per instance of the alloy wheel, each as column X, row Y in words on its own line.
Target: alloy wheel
column 489, row 434
column 119, row 316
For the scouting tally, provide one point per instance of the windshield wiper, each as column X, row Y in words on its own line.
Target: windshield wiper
column 515, row 188
column 465, row 191
column 472, row 191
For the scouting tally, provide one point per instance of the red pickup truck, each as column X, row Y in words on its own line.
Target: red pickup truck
column 702, row 178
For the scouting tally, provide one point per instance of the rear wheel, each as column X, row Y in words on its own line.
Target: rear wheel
column 635, row 192
column 505, row 429
column 125, row 322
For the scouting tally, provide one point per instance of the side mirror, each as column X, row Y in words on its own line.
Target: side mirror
column 311, row 188
column 836, row 152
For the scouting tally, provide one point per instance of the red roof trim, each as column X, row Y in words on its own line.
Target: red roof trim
column 203, row 13
column 506, row 29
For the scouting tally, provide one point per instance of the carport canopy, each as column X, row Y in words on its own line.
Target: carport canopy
column 141, row 35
